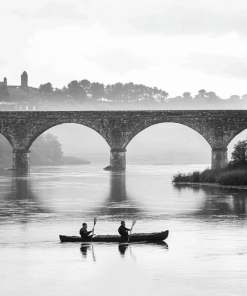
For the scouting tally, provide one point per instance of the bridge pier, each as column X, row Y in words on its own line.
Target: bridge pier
column 21, row 160
column 118, row 159
column 219, row 158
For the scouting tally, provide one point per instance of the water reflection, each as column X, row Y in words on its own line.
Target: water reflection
column 118, row 201
column 18, row 199
column 84, row 250
column 87, row 250
column 122, row 249
column 161, row 244
column 21, row 186
column 118, row 191
column 218, row 201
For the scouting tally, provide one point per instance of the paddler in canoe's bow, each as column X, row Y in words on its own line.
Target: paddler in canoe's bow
column 123, row 231
column 84, row 233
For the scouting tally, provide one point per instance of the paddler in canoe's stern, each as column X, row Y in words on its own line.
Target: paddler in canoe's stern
column 122, row 230
column 84, row 233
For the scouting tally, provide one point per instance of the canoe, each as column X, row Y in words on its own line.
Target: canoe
column 135, row 237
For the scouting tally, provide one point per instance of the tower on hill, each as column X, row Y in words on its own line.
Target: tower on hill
column 4, row 83
column 24, row 80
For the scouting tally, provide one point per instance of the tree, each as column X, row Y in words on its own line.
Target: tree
column 86, row 85
column 128, row 91
column 46, row 149
column 201, row 94
column 239, row 154
column 212, row 98
column 97, row 91
column 234, row 98
column 75, row 89
column 164, row 95
column 46, row 88
column 187, row 97
column 114, row 92
column 53, row 147
column 58, row 92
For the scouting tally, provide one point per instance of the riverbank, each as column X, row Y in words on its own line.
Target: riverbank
column 211, row 185
column 226, row 176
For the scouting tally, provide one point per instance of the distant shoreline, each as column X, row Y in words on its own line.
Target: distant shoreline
column 66, row 160
column 212, row 185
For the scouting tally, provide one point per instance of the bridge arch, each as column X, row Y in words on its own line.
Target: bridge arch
column 48, row 127
column 75, row 139
column 169, row 142
column 191, row 127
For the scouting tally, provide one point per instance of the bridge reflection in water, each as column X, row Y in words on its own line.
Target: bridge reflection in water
column 118, row 202
column 19, row 200
column 21, row 188
column 118, row 187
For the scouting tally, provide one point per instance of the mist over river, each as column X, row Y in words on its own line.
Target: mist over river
column 205, row 253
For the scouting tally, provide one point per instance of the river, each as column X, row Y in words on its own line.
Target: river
column 205, row 253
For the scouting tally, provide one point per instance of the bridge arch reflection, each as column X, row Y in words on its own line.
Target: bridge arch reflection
column 118, row 202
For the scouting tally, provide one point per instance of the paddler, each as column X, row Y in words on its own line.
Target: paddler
column 122, row 230
column 84, row 233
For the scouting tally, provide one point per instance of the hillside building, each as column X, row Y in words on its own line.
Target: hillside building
column 4, row 82
column 24, row 82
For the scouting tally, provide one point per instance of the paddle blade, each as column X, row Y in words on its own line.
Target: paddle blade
column 94, row 222
column 133, row 223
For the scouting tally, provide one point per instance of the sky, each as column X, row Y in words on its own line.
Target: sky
column 175, row 45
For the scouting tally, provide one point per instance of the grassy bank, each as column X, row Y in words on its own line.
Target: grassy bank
column 226, row 176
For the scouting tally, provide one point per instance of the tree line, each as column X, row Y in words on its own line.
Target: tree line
column 129, row 93
column 85, row 91
column 95, row 91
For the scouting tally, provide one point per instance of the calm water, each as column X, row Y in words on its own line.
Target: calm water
column 206, row 251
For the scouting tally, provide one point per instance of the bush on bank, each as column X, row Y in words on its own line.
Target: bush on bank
column 236, row 177
column 228, row 176
column 235, row 173
column 207, row 176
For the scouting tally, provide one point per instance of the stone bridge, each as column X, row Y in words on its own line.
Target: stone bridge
column 118, row 128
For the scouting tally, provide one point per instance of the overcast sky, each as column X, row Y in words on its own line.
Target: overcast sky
column 175, row 45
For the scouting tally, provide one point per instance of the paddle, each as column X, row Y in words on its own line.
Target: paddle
column 133, row 223
column 94, row 223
